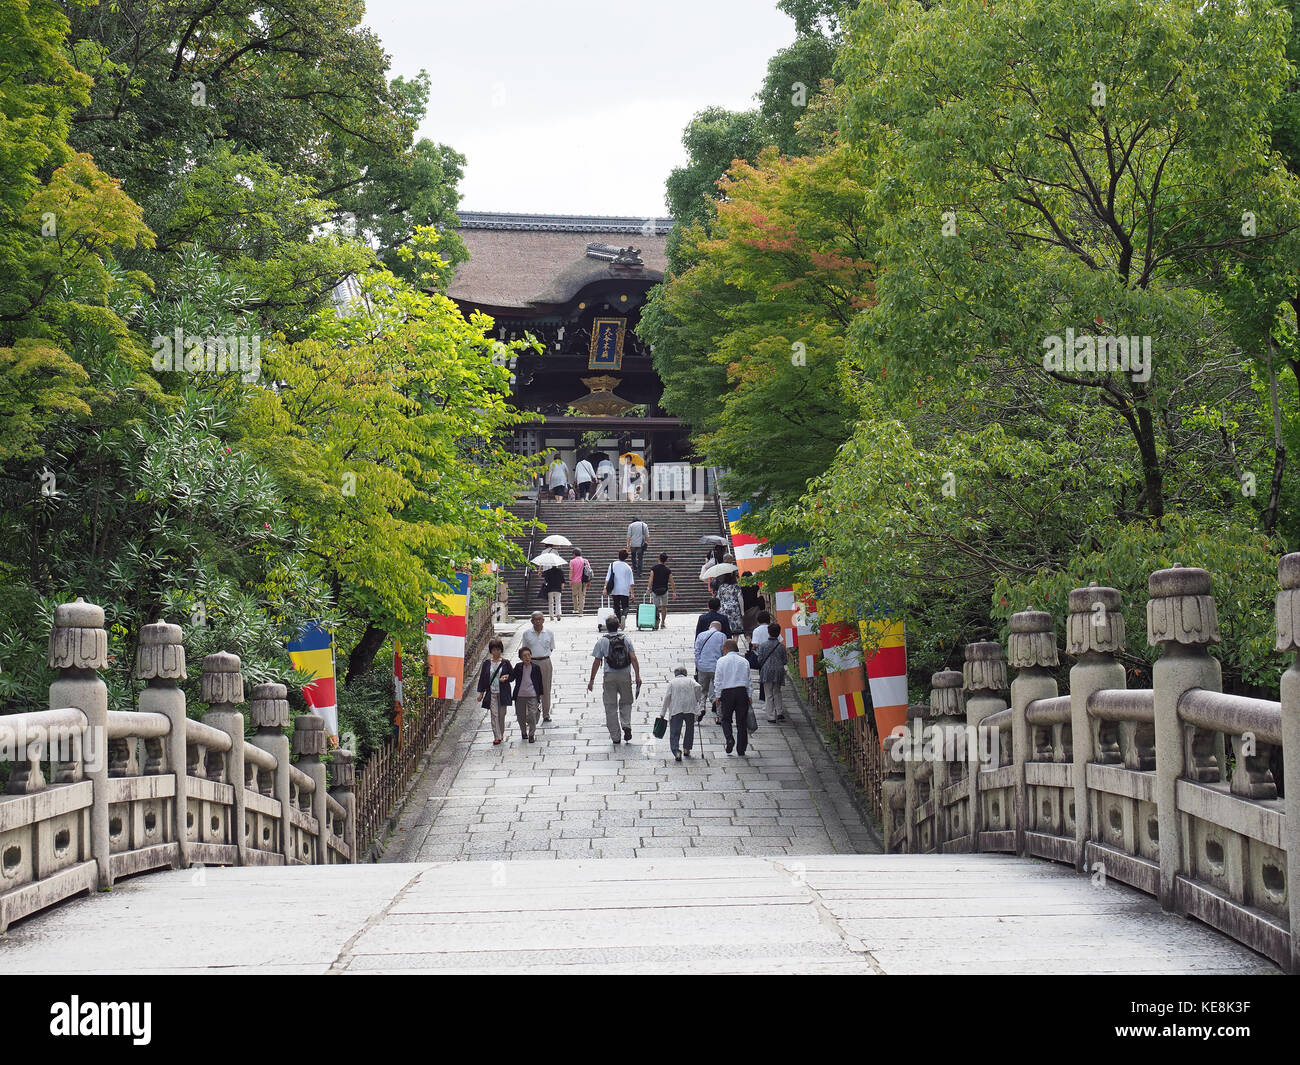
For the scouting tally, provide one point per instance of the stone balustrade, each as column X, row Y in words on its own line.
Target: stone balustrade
column 130, row 791
column 1168, row 790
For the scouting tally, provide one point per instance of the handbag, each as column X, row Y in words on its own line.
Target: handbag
column 660, row 727
column 751, row 724
column 609, row 580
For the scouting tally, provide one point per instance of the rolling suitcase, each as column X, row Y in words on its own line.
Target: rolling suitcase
column 646, row 615
column 603, row 613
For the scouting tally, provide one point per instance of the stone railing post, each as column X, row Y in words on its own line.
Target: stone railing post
column 78, row 648
column 1288, row 639
column 270, row 709
column 917, row 714
column 344, row 793
column 1094, row 633
column 892, row 787
column 222, row 688
column 160, row 663
column 984, row 674
column 309, row 743
column 1031, row 651
column 1183, row 621
column 948, row 717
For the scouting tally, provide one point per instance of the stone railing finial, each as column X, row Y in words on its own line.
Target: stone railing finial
column 77, row 638
column 1095, row 624
column 221, row 683
column 345, row 769
column 947, row 699
column 1181, row 609
column 1033, row 640
column 984, row 668
column 1288, row 603
column 270, row 708
column 309, row 738
column 161, row 655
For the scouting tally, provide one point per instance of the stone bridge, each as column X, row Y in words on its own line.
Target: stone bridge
column 1110, row 817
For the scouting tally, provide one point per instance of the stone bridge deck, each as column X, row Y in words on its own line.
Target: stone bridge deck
column 859, row 914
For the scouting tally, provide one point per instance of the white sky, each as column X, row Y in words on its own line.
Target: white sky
column 576, row 106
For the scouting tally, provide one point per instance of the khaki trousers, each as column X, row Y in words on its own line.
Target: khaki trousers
column 579, row 591
column 544, row 664
column 526, row 714
column 497, row 713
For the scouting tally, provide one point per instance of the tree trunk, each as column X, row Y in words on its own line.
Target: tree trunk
column 363, row 654
column 1153, row 476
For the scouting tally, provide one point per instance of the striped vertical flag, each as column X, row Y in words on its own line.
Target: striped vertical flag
column 445, row 624
column 397, row 692
column 749, row 550
column 808, row 639
column 785, row 617
column 312, row 651
column 844, row 675
column 887, row 673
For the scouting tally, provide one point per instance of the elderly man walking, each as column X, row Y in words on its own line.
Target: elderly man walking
column 680, row 701
column 615, row 651
column 708, row 649
column 540, row 641
column 732, row 682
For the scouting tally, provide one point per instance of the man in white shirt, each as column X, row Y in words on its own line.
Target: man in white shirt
column 679, row 707
column 608, row 479
column 731, row 679
column 618, row 582
column 638, row 539
column 586, row 478
column 541, row 643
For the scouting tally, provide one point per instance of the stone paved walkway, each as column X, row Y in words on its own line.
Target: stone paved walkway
column 573, row 794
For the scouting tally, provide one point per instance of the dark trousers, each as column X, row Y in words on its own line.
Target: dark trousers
column 736, row 701
column 620, row 609
column 675, row 730
column 586, row 489
column 638, row 553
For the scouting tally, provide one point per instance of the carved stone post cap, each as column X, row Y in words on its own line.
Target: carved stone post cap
column 77, row 637
column 270, row 706
column 947, row 698
column 221, row 682
column 1181, row 609
column 984, row 668
column 162, row 652
column 79, row 615
column 892, row 766
column 1085, row 599
column 1288, row 603
column 1179, row 580
column 345, row 769
column 1288, row 571
column 309, row 735
column 1031, row 620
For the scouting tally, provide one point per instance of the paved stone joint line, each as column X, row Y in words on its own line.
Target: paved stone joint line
column 574, row 794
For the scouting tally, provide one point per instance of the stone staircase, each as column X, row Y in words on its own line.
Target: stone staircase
column 599, row 528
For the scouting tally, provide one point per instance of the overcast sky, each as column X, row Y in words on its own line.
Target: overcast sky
column 576, row 106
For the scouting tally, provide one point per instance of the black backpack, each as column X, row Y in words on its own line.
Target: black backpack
column 617, row 657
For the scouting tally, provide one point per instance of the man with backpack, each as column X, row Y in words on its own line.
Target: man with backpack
column 615, row 651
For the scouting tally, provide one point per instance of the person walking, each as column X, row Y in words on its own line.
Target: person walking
column 557, row 476
column 638, row 539
column 619, row 581
column 607, row 477
column 772, row 659
column 494, row 686
column 528, row 688
column 714, row 613
column 553, row 582
column 579, row 578
column 585, row 475
column 732, row 600
column 540, row 643
column 680, row 703
column 661, row 584
column 708, row 649
column 715, row 556
column 614, row 650
column 731, row 679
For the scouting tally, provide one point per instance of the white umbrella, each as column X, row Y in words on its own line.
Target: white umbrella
column 556, row 540
column 549, row 560
column 721, row 541
column 718, row 570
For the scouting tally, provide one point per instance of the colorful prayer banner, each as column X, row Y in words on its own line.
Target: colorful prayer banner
column 749, row 550
column 886, row 673
column 785, row 617
column 397, row 692
column 808, row 639
column 444, row 628
column 844, row 675
column 312, row 651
